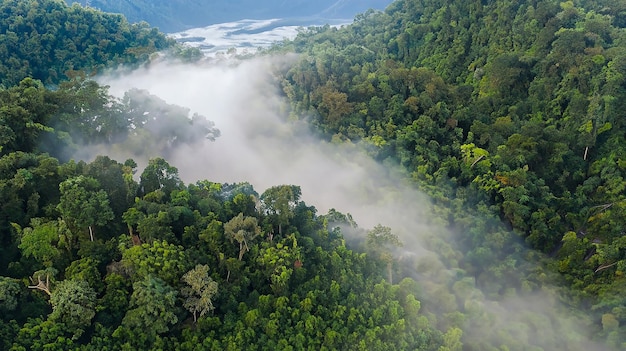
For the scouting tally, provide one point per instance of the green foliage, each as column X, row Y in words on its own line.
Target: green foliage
column 501, row 111
column 47, row 40
column 160, row 259
column 73, row 303
column 152, row 310
column 42, row 240
column 159, row 175
column 85, row 269
column 84, row 204
column 25, row 112
column 242, row 229
column 279, row 202
column 381, row 242
column 200, row 292
column 9, row 292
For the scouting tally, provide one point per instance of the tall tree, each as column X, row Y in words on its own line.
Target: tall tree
column 24, row 113
column 242, row 229
column 279, row 203
column 382, row 242
column 200, row 291
column 84, row 204
column 159, row 175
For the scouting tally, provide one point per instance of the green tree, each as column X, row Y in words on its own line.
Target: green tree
column 110, row 174
column 24, row 114
column 452, row 340
column 200, row 292
column 381, row 242
column 279, row 203
column 85, row 269
column 9, row 293
column 73, row 303
column 242, row 230
column 84, row 204
column 152, row 309
column 159, row 175
column 42, row 240
column 159, row 259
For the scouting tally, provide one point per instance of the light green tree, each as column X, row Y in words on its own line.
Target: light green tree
column 200, row 291
column 242, row 229
column 45, row 241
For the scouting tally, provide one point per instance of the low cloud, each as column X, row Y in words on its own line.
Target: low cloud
column 258, row 146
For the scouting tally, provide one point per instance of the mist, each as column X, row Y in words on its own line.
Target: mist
column 262, row 145
column 258, row 145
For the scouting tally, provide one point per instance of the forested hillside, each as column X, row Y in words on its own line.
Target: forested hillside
column 95, row 256
column 46, row 40
column 509, row 119
column 500, row 108
column 177, row 15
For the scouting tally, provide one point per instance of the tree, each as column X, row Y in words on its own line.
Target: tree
column 110, row 174
column 242, row 229
column 200, row 291
column 9, row 292
column 88, row 113
column 41, row 240
column 381, row 242
column 158, row 127
column 153, row 308
column 279, row 203
column 276, row 262
column 24, row 112
column 334, row 105
column 85, row 269
column 73, row 303
column 159, row 175
column 452, row 340
column 158, row 258
column 83, row 204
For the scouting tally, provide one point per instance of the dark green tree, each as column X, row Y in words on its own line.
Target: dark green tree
column 73, row 303
column 84, row 204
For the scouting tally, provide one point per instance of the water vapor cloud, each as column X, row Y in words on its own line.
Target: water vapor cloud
column 258, row 145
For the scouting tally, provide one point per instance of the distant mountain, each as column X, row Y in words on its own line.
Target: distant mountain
column 176, row 15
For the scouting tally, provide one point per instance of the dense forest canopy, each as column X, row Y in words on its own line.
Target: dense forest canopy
column 507, row 114
column 513, row 110
column 46, row 39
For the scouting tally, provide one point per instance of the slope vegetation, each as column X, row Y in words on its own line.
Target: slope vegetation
column 508, row 109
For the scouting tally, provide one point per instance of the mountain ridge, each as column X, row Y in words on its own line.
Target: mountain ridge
column 174, row 16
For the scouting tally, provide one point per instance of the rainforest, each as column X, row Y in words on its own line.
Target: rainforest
column 440, row 175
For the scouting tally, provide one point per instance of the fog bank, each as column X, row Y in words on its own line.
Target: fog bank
column 258, row 146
